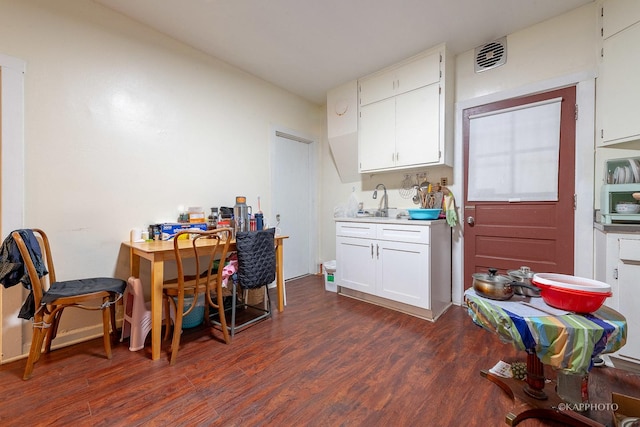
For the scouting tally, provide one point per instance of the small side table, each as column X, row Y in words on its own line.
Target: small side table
column 565, row 341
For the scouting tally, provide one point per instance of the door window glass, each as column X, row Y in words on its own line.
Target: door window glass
column 514, row 153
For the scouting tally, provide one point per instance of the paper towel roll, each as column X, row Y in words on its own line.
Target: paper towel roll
column 136, row 235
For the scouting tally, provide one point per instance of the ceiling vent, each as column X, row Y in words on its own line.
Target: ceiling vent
column 490, row 55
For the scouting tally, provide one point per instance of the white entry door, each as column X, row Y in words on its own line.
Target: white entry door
column 293, row 194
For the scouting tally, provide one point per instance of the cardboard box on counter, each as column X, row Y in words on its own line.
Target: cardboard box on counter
column 197, row 217
column 627, row 407
column 170, row 229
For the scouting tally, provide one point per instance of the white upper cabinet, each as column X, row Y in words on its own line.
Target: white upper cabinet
column 618, row 15
column 418, row 126
column 405, row 114
column 420, row 72
column 618, row 84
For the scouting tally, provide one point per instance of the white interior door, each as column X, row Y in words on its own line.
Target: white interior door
column 293, row 186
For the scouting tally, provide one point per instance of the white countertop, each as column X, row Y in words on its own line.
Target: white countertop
column 394, row 220
column 617, row 228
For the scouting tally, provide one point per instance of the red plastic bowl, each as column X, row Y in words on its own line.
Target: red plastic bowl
column 571, row 282
column 572, row 299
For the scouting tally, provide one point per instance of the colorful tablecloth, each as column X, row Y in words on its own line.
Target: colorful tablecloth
column 563, row 340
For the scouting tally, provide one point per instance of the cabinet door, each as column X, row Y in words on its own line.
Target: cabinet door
column 618, row 15
column 412, row 75
column 618, row 90
column 376, row 136
column 416, row 74
column 403, row 272
column 418, row 127
column 629, row 289
column 377, row 87
column 355, row 264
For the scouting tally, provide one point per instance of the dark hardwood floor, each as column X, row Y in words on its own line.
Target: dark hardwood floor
column 327, row 360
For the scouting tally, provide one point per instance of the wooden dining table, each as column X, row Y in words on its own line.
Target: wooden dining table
column 159, row 251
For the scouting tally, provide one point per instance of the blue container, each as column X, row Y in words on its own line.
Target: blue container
column 196, row 317
column 259, row 221
column 424, row 213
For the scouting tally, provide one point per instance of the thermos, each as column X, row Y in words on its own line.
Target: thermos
column 241, row 214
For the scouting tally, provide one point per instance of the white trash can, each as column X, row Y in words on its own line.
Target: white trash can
column 329, row 268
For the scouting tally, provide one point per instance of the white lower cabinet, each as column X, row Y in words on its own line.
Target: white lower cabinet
column 403, row 273
column 618, row 264
column 402, row 266
column 359, row 272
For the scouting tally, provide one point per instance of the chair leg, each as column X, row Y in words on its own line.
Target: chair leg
column 106, row 322
column 35, row 350
column 267, row 301
column 52, row 331
column 167, row 314
column 233, row 309
column 177, row 331
column 222, row 316
column 112, row 310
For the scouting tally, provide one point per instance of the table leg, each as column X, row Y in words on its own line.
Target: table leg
column 535, row 376
column 134, row 264
column 157, row 273
column 280, row 275
column 532, row 407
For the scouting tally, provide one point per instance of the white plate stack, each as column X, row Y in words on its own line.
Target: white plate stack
column 627, row 174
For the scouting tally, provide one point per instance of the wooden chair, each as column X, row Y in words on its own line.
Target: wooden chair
column 207, row 282
column 51, row 297
column 256, row 269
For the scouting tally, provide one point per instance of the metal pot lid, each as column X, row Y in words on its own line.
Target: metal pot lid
column 524, row 273
column 491, row 277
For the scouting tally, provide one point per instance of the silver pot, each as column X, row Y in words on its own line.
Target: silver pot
column 524, row 275
column 491, row 285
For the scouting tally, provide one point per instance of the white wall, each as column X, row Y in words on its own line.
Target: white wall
column 123, row 124
column 557, row 52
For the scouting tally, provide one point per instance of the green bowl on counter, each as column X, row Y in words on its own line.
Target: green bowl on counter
column 420, row 213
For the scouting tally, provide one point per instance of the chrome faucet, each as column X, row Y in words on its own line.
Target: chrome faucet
column 383, row 208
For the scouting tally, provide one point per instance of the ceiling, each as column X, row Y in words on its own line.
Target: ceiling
column 310, row 46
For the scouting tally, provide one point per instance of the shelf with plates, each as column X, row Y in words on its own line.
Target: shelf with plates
column 623, row 171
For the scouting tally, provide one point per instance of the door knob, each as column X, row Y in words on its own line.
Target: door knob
column 471, row 220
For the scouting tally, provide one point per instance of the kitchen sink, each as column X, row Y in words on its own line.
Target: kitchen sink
column 374, row 214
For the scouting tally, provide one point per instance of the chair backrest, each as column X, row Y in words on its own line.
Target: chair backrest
column 39, row 284
column 256, row 258
column 211, row 243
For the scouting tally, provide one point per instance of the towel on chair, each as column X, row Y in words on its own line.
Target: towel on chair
column 229, row 270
